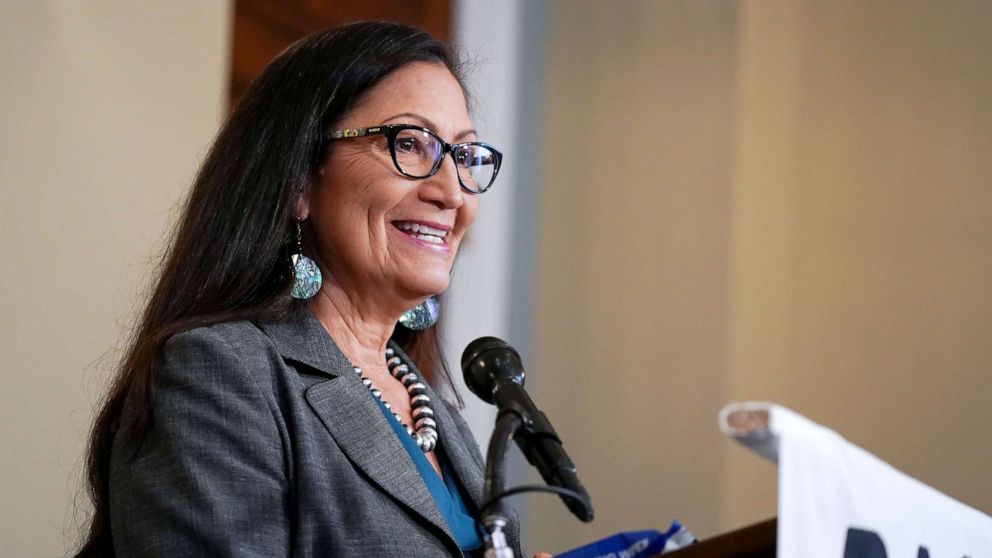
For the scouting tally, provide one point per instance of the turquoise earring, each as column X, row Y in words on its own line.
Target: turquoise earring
column 422, row 316
column 306, row 275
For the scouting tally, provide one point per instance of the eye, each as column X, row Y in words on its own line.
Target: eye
column 473, row 156
column 409, row 145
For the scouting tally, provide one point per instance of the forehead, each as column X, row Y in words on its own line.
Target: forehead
column 423, row 88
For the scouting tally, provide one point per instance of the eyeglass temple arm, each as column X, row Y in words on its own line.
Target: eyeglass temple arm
column 356, row 132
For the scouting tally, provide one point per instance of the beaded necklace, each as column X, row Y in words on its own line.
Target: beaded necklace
column 424, row 430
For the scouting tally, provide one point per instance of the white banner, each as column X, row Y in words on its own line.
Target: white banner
column 836, row 500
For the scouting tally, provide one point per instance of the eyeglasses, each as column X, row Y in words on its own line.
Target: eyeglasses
column 418, row 153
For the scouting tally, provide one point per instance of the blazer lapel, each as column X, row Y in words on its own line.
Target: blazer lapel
column 469, row 471
column 347, row 409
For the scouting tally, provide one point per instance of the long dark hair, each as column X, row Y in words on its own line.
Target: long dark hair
column 227, row 258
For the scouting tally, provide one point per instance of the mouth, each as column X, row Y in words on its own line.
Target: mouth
column 432, row 234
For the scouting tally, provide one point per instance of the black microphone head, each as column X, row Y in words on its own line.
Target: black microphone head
column 488, row 360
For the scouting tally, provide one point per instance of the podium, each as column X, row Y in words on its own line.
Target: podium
column 755, row 541
column 836, row 499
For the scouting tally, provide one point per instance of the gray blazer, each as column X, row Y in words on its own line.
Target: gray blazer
column 265, row 443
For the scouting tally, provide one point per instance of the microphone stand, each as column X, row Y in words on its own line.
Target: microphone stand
column 508, row 424
column 493, row 371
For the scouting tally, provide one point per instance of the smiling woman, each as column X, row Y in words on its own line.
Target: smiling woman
column 368, row 214
column 368, row 220
column 278, row 395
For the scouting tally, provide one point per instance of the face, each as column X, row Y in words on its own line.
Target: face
column 364, row 213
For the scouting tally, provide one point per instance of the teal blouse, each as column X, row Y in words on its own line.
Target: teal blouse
column 446, row 493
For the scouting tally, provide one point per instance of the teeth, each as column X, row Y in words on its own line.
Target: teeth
column 423, row 232
column 430, row 238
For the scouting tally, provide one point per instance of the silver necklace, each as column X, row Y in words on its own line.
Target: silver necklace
column 424, row 430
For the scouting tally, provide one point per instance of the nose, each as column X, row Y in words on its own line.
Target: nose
column 443, row 189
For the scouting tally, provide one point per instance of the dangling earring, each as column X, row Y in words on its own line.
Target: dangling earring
column 306, row 275
column 422, row 316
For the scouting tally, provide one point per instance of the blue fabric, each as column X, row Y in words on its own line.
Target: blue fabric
column 446, row 493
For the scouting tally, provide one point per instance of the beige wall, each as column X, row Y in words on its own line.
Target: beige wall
column 106, row 109
column 762, row 200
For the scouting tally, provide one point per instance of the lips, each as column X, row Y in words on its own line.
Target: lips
column 422, row 231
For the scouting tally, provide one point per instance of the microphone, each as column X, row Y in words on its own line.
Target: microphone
column 494, row 372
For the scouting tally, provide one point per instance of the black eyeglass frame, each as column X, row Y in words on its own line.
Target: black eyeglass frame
column 392, row 130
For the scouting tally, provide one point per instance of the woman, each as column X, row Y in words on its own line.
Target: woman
column 269, row 404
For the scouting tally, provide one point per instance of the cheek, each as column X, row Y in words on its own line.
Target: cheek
column 353, row 194
column 469, row 210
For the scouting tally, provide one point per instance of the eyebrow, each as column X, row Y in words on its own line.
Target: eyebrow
column 426, row 122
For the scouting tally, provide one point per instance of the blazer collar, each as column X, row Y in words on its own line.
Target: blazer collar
column 346, row 409
column 302, row 338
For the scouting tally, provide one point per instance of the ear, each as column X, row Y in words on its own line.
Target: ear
column 301, row 208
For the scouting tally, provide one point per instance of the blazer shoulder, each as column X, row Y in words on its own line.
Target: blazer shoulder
column 219, row 349
column 238, row 335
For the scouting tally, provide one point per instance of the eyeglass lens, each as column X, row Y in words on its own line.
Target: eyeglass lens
column 418, row 154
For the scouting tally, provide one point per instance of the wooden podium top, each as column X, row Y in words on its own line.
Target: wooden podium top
column 756, row 541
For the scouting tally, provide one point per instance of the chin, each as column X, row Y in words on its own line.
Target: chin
column 430, row 288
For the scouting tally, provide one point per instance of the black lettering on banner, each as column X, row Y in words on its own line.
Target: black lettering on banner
column 864, row 544
column 861, row 543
